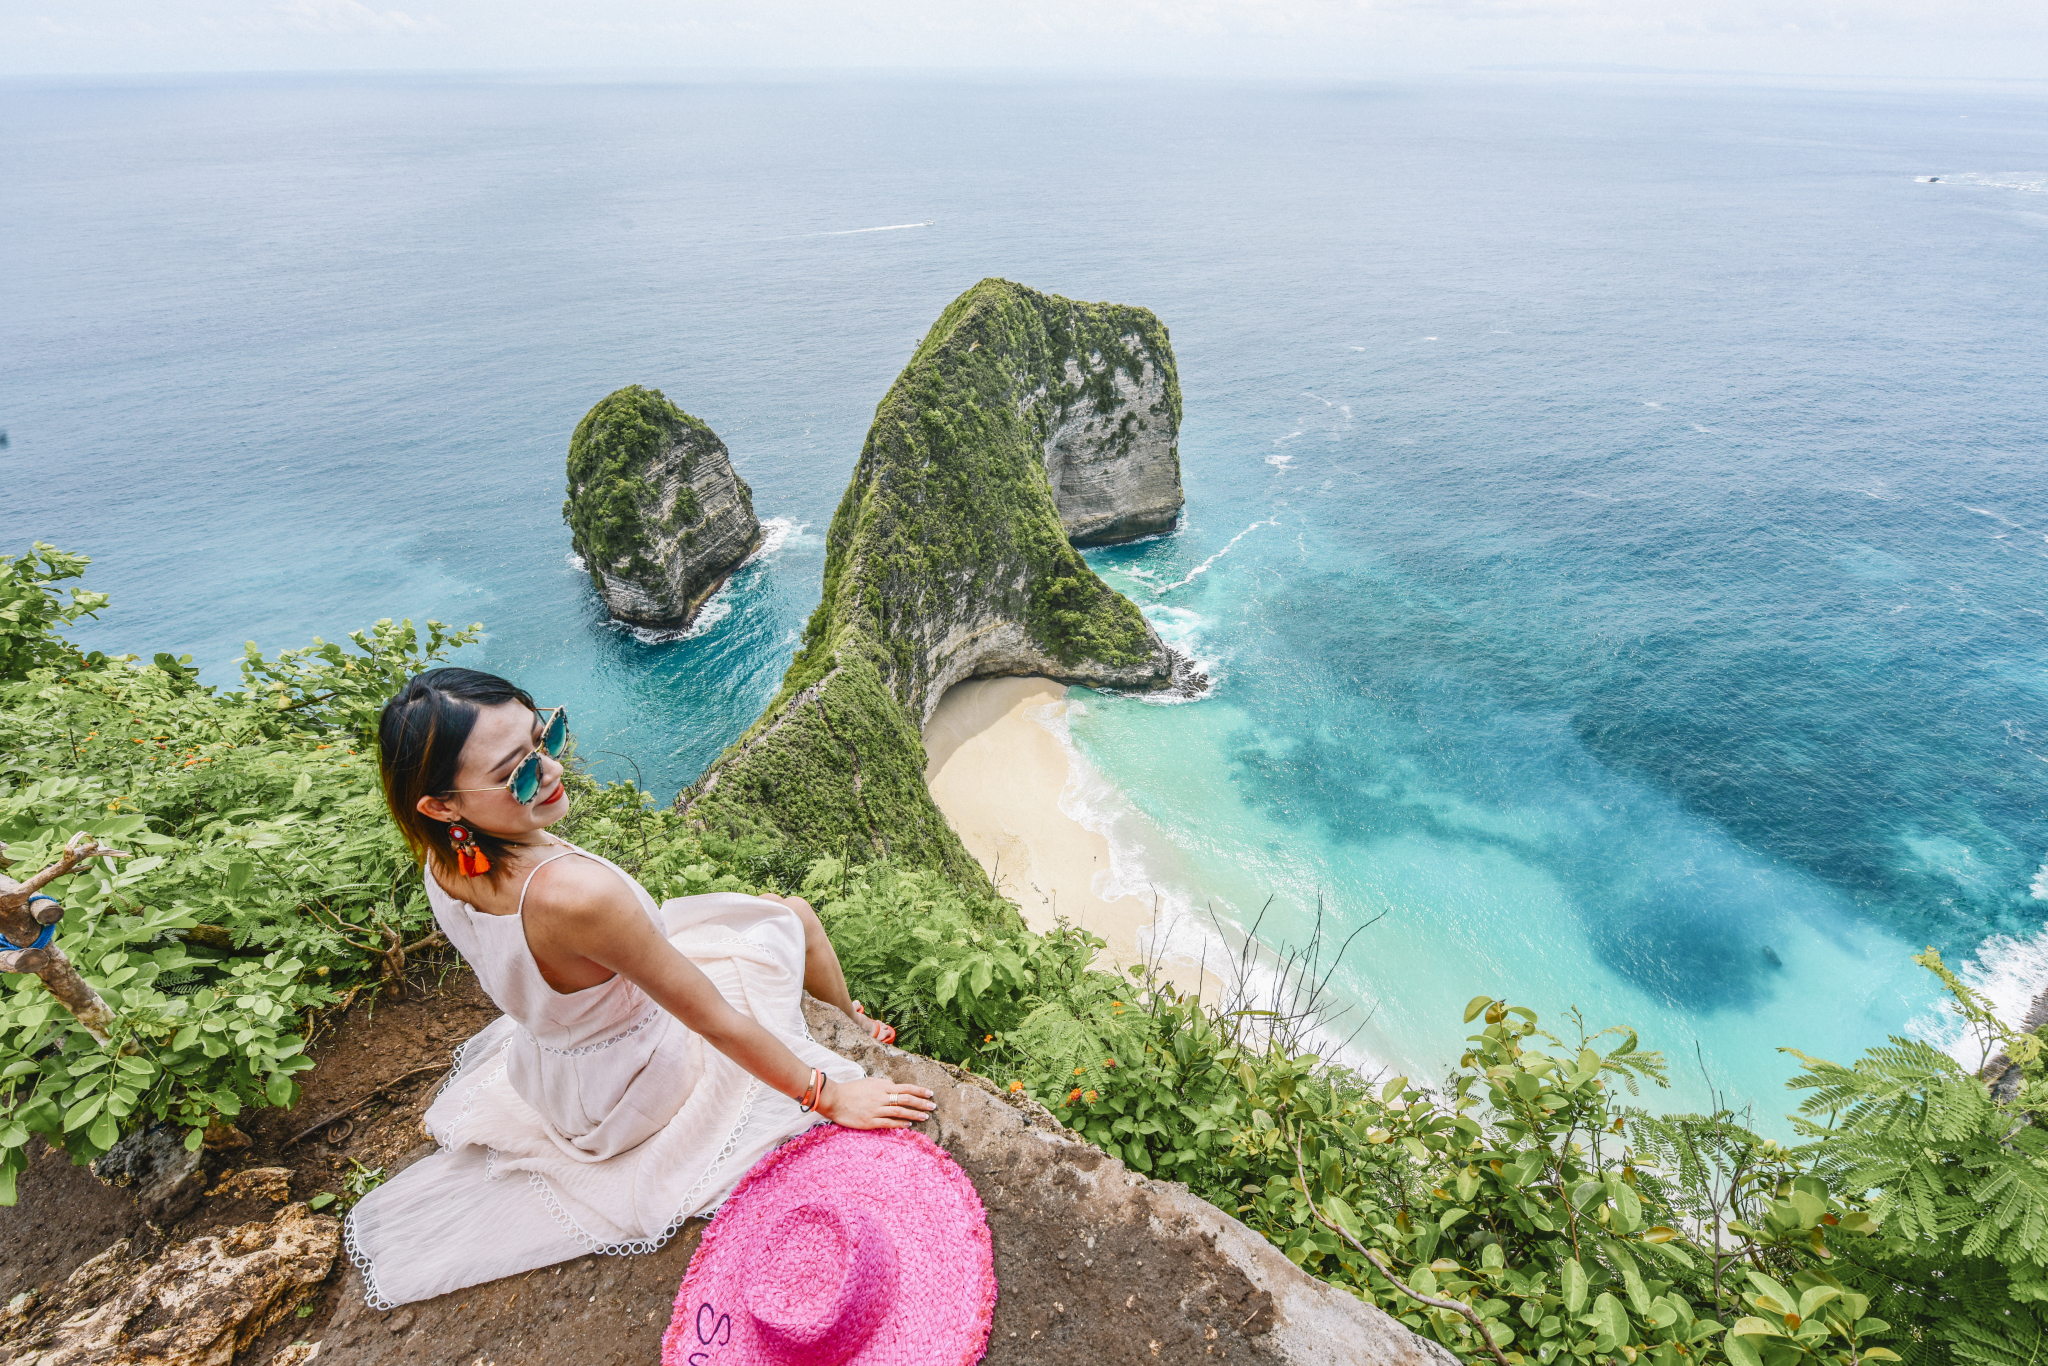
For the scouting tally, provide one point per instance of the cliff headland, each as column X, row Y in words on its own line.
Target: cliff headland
column 1023, row 422
column 658, row 515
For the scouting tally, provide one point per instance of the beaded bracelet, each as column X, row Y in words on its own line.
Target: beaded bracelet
column 813, row 1093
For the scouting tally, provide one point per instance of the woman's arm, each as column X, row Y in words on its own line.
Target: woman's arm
column 586, row 912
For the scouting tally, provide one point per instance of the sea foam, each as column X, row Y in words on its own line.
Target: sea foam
column 2010, row 973
column 1204, row 566
column 1183, row 931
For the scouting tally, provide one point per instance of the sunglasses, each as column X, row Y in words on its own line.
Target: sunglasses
column 524, row 784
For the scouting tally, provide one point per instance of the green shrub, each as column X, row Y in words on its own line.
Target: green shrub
column 31, row 612
column 267, row 879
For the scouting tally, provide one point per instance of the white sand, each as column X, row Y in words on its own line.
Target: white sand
column 998, row 775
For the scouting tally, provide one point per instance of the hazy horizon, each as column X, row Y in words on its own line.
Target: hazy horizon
column 1316, row 39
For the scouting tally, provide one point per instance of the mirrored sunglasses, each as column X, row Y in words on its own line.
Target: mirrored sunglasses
column 524, row 784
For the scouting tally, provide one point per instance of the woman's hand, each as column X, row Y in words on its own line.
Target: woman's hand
column 875, row 1103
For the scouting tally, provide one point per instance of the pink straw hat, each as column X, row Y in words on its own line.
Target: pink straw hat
column 843, row 1247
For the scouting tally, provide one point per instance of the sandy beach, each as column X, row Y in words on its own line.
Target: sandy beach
column 998, row 775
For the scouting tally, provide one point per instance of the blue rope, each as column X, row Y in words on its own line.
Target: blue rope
column 42, row 940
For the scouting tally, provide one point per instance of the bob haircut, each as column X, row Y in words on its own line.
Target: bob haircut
column 419, row 744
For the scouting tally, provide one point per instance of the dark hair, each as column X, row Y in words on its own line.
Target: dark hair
column 419, row 745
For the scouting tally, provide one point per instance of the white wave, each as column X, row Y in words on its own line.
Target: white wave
column 1203, row 567
column 888, row 227
column 708, row 616
column 2009, row 973
column 1987, row 512
column 776, row 532
column 1280, row 461
column 1186, row 631
column 2040, row 885
column 1194, row 948
column 2029, row 181
column 576, row 563
column 1146, row 540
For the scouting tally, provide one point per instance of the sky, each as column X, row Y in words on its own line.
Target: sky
column 1940, row 39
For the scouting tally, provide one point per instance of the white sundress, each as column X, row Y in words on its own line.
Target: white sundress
column 587, row 1121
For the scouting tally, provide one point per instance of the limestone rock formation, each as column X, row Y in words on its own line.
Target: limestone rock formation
column 1112, row 451
column 194, row 1304
column 658, row 515
column 949, row 558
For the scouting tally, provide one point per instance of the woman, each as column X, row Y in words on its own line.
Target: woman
column 647, row 1056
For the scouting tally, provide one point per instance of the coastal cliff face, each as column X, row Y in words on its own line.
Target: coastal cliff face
column 658, row 515
column 949, row 559
column 1112, row 452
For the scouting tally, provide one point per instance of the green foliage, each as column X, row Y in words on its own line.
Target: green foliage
column 31, row 610
column 612, row 500
column 268, row 879
column 960, row 978
column 841, row 773
column 1957, row 1178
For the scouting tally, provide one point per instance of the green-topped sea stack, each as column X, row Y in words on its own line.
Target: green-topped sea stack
column 657, row 513
column 1022, row 421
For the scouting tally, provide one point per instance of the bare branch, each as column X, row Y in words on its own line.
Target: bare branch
column 81, row 848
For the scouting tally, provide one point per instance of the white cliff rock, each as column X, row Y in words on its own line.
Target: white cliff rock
column 1112, row 454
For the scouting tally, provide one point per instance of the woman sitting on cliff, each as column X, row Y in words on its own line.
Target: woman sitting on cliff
column 647, row 1056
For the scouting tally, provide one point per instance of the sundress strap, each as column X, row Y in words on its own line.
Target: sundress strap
column 536, row 868
column 571, row 849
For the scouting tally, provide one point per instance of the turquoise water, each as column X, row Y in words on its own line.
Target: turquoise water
column 1619, row 506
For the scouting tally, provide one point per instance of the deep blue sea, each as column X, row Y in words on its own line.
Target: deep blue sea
column 1616, row 513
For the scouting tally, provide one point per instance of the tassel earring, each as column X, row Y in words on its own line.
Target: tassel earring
column 468, row 856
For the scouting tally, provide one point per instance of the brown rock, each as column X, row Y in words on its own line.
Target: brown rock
column 256, row 1183
column 193, row 1304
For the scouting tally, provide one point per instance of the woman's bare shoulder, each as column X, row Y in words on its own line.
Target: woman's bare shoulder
column 576, row 887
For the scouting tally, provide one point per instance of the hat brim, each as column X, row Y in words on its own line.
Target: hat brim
column 945, row 1297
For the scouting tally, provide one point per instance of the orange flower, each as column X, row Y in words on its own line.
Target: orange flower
column 1109, row 1062
column 1015, row 1087
column 1077, row 1071
column 1091, row 1097
column 1073, row 1095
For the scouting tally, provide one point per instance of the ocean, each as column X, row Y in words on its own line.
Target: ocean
column 1616, row 519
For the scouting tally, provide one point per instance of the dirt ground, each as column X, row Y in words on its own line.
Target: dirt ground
column 1071, row 1290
